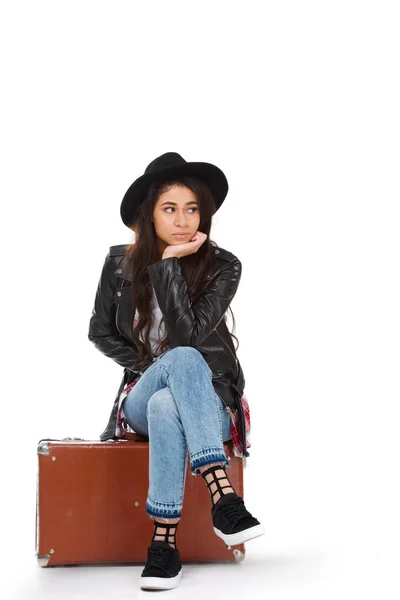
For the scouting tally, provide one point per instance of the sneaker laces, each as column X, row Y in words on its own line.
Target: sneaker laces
column 235, row 510
column 159, row 557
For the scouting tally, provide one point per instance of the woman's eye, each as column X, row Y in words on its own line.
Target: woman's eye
column 171, row 207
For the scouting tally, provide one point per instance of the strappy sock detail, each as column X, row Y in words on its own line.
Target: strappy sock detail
column 215, row 476
column 165, row 532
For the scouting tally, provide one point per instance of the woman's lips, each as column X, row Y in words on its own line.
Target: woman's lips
column 180, row 235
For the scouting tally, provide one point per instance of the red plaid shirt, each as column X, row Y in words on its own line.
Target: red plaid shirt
column 123, row 426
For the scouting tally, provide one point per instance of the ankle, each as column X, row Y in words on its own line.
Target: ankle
column 165, row 531
column 217, row 481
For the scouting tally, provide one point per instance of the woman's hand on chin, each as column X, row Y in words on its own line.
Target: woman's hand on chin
column 186, row 248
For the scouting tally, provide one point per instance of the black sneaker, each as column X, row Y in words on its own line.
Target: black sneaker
column 163, row 568
column 232, row 521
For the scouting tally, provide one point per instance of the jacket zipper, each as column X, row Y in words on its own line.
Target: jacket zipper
column 226, row 345
column 116, row 320
column 123, row 284
column 227, row 408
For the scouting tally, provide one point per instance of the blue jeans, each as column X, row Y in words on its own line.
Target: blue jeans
column 174, row 403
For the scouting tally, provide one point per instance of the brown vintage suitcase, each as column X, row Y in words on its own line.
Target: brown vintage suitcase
column 90, row 505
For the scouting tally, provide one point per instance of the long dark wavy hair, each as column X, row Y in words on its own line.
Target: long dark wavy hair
column 144, row 251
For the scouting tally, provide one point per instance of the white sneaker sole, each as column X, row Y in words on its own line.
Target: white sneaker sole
column 160, row 583
column 241, row 536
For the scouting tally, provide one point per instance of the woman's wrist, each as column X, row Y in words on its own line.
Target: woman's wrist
column 167, row 256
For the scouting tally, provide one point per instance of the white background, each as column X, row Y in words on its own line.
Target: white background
column 298, row 103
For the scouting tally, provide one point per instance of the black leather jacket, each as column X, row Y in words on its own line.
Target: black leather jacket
column 201, row 326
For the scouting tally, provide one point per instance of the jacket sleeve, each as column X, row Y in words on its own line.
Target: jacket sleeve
column 103, row 331
column 189, row 324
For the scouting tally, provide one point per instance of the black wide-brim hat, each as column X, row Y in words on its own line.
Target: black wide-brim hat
column 163, row 168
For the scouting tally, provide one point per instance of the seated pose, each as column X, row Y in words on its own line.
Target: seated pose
column 160, row 312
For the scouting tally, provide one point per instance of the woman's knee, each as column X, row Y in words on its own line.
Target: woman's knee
column 184, row 357
column 184, row 350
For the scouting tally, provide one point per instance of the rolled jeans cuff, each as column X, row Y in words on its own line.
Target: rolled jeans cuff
column 207, row 457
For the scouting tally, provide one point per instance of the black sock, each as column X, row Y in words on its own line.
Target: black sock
column 165, row 532
column 213, row 476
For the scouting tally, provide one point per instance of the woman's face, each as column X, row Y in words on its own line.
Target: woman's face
column 176, row 211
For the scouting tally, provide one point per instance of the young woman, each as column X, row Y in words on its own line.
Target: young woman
column 160, row 312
